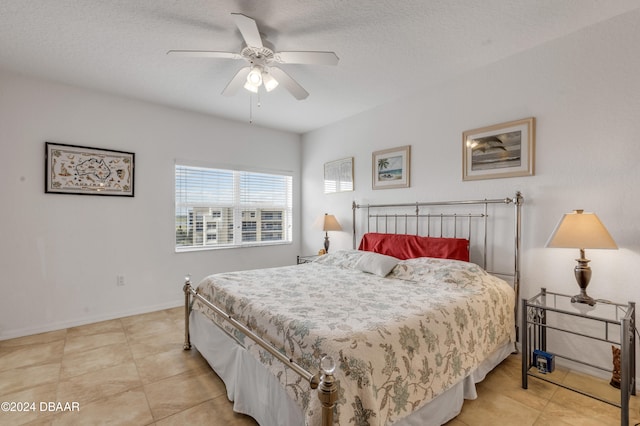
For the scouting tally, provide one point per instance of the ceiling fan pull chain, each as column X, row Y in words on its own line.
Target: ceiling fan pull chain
column 250, row 109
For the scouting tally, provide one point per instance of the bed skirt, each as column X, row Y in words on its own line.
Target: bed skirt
column 255, row 392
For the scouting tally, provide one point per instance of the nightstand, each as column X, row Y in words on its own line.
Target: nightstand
column 306, row 259
column 606, row 322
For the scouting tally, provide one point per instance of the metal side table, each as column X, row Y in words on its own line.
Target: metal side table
column 613, row 323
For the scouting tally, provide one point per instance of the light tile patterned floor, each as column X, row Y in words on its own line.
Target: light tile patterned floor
column 133, row 371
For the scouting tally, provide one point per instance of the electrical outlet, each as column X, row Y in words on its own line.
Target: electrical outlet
column 119, row 280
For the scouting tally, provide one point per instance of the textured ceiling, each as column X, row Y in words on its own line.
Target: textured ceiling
column 387, row 48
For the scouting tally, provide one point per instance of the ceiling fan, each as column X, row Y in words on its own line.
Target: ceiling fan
column 262, row 59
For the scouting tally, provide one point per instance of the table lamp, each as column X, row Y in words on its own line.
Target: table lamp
column 582, row 231
column 330, row 223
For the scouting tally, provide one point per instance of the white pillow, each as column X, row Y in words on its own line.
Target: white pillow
column 376, row 263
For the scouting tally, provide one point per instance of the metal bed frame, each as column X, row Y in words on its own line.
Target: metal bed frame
column 324, row 381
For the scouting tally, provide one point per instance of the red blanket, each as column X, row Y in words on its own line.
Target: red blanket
column 412, row 246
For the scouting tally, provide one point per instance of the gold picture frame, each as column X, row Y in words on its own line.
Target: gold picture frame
column 391, row 168
column 499, row 151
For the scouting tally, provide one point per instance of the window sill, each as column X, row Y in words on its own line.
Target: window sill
column 227, row 247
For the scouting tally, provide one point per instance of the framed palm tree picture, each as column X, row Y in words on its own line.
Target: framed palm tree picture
column 391, row 168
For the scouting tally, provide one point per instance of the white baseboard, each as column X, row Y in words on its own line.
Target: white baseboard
column 28, row 331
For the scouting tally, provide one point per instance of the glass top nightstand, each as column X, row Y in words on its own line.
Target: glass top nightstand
column 603, row 310
column 605, row 323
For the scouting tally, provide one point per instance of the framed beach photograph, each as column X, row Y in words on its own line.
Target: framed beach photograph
column 391, row 168
column 338, row 176
column 71, row 169
column 499, row 151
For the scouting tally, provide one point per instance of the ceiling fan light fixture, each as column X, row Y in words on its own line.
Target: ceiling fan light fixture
column 255, row 77
column 250, row 87
column 270, row 83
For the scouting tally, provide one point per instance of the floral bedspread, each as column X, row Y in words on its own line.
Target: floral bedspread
column 398, row 341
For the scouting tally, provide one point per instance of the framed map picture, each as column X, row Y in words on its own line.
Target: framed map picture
column 71, row 169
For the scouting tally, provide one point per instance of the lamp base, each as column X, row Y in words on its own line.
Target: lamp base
column 582, row 272
column 583, row 298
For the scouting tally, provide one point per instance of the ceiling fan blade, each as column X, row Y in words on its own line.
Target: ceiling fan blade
column 236, row 82
column 310, row 57
column 249, row 30
column 204, row 54
column 289, row 83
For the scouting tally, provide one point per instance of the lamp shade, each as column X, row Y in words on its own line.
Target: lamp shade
column 581, row 230
column 250, row 87
column 270, row 83
column 331, row 223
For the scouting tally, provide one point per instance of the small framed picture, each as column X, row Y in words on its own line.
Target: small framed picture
column 71, row 169
column 499, row 151
column 392, row 168
column 338, row 176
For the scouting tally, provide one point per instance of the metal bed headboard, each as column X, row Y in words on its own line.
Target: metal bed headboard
column 448, row 219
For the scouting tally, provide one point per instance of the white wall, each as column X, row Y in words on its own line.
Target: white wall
column 60, row 254
column 583, row 90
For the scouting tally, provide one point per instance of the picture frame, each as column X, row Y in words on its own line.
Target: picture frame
column 338, row 176
column 499, row 151
column 73, row 169
column 391, row 168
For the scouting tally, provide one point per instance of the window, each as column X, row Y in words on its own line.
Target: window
column 219, row 208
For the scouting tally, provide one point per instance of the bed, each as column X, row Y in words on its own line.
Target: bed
column 405, row 325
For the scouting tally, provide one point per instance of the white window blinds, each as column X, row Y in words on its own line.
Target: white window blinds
column 219, row 208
